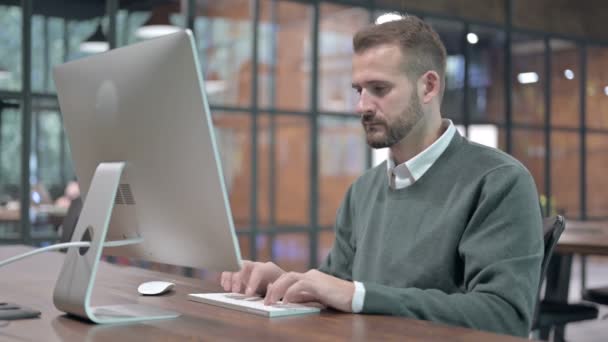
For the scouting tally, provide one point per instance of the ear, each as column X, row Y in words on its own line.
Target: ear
column 429, row 85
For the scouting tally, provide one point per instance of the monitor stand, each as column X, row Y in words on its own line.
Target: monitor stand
column 75, row 283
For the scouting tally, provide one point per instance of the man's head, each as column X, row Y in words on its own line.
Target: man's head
column 399, row 72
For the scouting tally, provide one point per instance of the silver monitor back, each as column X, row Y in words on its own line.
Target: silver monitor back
column 145, row 104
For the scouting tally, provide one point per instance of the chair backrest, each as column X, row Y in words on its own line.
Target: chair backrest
column 552, row 229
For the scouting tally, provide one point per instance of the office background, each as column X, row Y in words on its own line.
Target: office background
column 529, row 77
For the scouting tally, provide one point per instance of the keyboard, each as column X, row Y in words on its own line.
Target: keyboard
column 253, row 304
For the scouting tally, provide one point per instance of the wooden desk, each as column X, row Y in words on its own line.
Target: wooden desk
column 47, row 220
column 48, row 213
column 584, row 237
column 31, row 281
column 7, row 215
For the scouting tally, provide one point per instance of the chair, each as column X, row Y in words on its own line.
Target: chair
column 548, row 313
column 597, row 295
column 552, row 230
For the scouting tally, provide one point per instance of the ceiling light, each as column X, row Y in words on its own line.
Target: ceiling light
column 157, row 25
column 606, row 90
column 472, row 38
column 527, row 77
column 569, row 74
column 96, row 43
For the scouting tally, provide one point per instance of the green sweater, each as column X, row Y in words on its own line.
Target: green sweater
column 462, row 245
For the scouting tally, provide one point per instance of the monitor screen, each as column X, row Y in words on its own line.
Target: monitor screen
column 145, row 105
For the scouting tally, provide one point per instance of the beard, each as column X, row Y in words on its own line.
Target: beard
column 393, row 131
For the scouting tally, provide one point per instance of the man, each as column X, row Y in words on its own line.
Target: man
column 446, row 230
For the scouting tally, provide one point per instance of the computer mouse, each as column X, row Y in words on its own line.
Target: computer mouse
column 155, row 288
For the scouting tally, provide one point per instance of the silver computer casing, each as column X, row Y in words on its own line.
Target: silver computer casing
column 142, row 139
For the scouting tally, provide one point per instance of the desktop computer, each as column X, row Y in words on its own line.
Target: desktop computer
column 146, row 159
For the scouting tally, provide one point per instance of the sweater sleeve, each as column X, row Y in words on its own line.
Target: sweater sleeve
column 501, row 250
column 338, row 262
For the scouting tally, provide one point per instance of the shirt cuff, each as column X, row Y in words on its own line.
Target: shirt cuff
column 358, row 297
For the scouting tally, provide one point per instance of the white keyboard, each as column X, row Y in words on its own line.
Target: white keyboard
column 254, row 305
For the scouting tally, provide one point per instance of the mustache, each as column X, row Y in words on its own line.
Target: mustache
column 368, row 119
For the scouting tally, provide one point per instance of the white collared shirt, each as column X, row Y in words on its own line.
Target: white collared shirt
column 406, row 174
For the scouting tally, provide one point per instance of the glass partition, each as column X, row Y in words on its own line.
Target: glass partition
column 10, row 53
column 233, row 135
column 529, row 148
column 338, row 24
column 528, row 79
column 597, row 88
column 342, row 153
column 451, row 33
column 284, row 60
column 597, row 159
column 565, row 165
column 224, row 38
column 10, row 169
column 565, row 84
column 486, row 75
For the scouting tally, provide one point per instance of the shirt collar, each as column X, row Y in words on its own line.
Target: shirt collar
column 417, row 166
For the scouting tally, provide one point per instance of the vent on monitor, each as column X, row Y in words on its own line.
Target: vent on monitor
column 124, row 195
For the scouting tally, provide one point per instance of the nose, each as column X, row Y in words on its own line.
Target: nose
column 365, row 104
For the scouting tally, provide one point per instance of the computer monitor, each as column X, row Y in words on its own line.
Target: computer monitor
column 144, row 152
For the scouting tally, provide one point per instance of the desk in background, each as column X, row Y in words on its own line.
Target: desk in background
column 579, row 237
column 585, row 238
column 45, row 222
column 9, row 215
column 31, row 281
column 52, row 214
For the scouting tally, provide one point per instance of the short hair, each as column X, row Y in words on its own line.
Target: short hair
column 415, row 38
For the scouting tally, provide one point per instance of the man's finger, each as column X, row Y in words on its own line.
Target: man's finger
column 236, row 282
column 255, row 279
column 226, row 281
column 280, row 286
column 301, row 292
column 246, row 272
column 268, row 292
column 222, row 277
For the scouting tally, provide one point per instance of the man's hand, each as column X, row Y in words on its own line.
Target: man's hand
column 253, row 278
column 312, row 286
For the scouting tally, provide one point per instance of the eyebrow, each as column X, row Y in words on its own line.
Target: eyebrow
column 371, row 82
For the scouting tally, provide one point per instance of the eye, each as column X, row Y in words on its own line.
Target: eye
column 357, row 89
column 379, row 90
